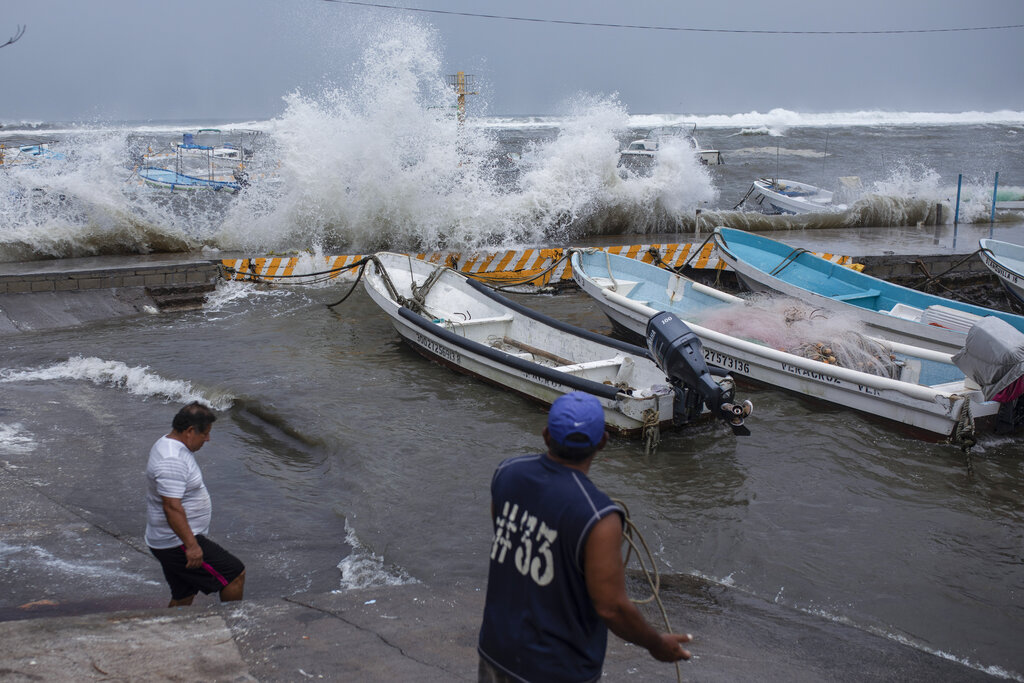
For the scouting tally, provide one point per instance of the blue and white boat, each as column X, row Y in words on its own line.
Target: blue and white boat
column 889, row 310
column 167, row 179
column 21, row 152
column 209, row 159
column 916, row 387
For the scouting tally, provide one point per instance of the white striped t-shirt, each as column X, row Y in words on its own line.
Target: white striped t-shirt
column 172, row 472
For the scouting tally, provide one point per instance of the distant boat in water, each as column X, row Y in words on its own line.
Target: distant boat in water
column 22, row 152
column 641, row 156
column 167, row 179
column 236, row 145
column 209, row 159
column 778, row 196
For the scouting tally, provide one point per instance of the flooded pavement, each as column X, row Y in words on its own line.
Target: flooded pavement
column 416, row 631
column 345, row 468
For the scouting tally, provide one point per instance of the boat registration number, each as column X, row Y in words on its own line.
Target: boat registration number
column 727, row 362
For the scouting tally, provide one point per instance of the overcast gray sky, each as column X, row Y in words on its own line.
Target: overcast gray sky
column 109, row 60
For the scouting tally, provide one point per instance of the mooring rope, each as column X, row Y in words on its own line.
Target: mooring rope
column 964, row 434
column 359, row 276
column 249, row 273
column 789, row 260
column 651, row 432
column 525, row 281
column 651, row 574
column 694, row 253
column 935, row 278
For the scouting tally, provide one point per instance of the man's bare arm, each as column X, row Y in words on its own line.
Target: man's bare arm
column 178, row 520
column 606, row 583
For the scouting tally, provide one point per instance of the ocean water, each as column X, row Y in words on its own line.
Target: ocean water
column 343, row 459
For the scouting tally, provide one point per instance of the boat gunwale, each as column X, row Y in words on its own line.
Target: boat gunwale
column 851, row 277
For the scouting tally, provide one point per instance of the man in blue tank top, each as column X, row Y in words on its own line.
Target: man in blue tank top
column 557, row 582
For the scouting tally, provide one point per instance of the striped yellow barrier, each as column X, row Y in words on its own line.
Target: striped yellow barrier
column 526, row 266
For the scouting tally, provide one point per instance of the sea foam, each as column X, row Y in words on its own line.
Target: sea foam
column 361, row 568
column 137, row 380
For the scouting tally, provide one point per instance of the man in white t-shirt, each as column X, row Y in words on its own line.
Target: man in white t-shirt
column 178, row 514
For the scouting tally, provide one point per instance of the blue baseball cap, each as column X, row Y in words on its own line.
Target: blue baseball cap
column 576, row 414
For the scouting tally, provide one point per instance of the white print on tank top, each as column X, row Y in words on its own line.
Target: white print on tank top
column 537, row 562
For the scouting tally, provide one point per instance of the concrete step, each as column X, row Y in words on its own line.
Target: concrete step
column 180, row 297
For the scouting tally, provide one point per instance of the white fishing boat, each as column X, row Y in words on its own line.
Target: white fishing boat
column 1006, row 260
column 791, row 349
column 464, row 325
column 641, row 156
column 778, row 196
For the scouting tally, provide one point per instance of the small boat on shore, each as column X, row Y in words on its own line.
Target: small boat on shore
column 641, row 156
column 784, row 347
column 1006, row 260
column 463, row 324
column 891, row 311
column 778, row 196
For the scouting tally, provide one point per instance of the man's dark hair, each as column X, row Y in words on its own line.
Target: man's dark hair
column 196, row 415
column 570, row 451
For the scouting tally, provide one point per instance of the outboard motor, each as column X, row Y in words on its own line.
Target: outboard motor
column 993, row 357
column 679, row 353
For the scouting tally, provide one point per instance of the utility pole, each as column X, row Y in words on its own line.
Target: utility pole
column 462, row 83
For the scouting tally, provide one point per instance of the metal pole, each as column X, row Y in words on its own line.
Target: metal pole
column 995, row 190
column 460, row 79
column 956, row 216
column 823, row 157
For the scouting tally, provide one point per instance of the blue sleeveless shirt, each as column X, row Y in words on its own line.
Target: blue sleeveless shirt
column 539, row 622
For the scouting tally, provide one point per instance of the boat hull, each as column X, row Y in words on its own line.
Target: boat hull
column 1006, row 261
column 928, row 409
column 807, row 198
column 165, row 179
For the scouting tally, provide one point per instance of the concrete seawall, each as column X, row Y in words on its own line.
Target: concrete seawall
column 67, row 275
column 66, row 292
column 909, row 268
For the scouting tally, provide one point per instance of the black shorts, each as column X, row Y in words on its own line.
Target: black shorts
column 219, row 568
